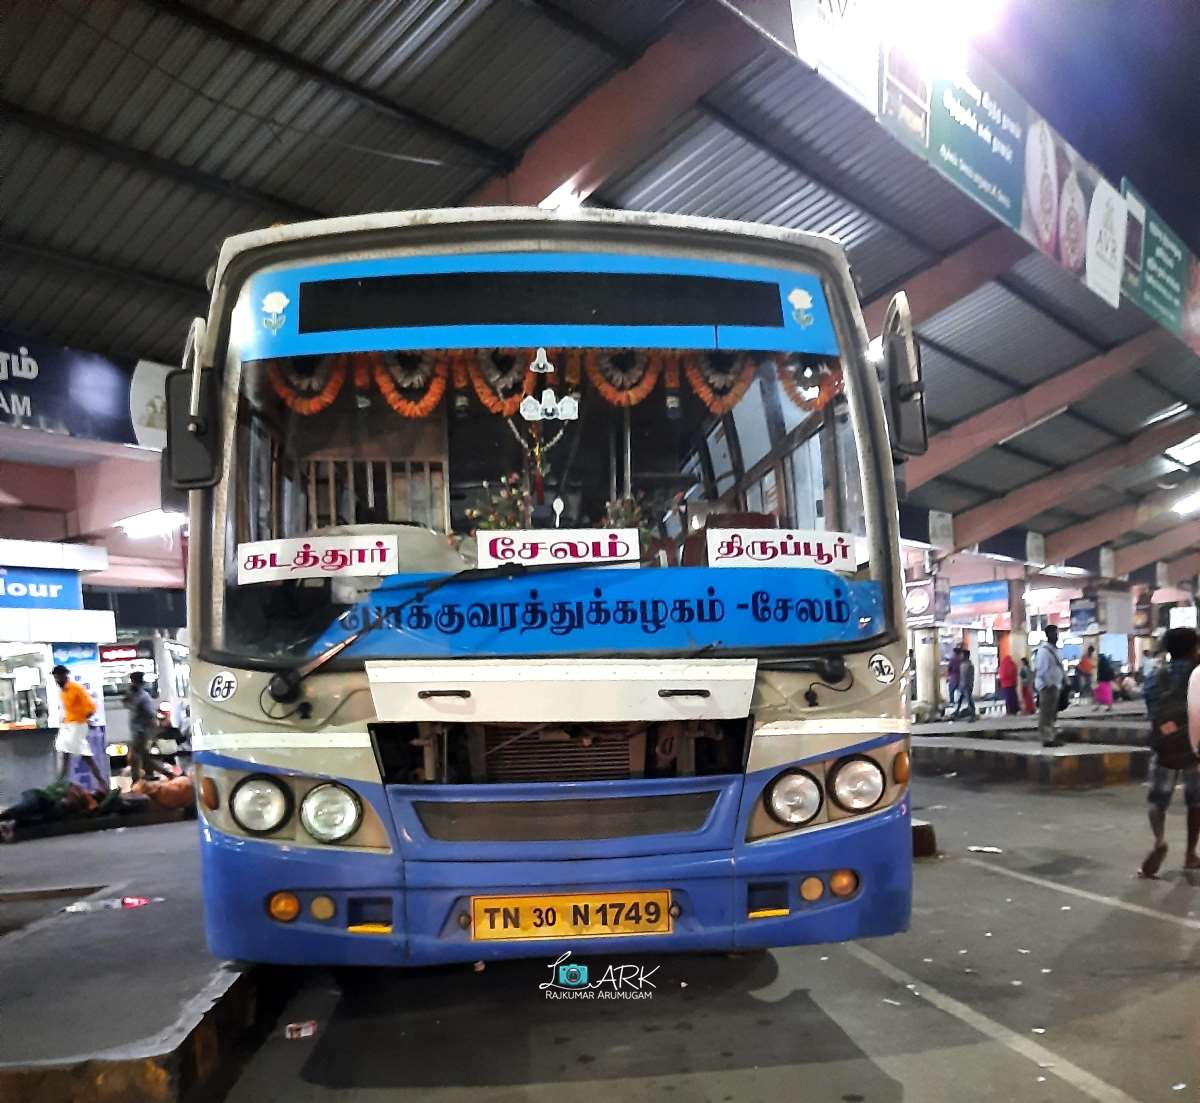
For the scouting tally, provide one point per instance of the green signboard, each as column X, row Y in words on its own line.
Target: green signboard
column 971, row 126
column 1156, row 262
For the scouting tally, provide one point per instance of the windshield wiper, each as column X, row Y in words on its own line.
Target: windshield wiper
column 284, row 687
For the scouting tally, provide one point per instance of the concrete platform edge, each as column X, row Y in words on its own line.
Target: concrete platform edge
column 165, row 1068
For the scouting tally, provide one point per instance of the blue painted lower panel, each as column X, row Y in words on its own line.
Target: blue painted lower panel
column 423, row 899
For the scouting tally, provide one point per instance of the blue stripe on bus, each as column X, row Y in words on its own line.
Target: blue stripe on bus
column 262, row 333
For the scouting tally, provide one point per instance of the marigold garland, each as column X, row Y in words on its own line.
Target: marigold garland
column 719, row 403
column 427, row 403
column 301, row 404
column 828, row 384
column 630, row 396
column 491, row 401
column 458, row 370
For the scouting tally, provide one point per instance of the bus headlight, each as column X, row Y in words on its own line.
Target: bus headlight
column 260, row 804
column 794, row 798
column 330, row 813
column 857, row 784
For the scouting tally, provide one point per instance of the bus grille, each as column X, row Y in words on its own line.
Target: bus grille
column 553, row 756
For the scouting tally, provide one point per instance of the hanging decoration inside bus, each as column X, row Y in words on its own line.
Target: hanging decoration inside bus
column 531, row 300
column 317, row 557
column 536, row 547
column 598, row 610
column 771, row 548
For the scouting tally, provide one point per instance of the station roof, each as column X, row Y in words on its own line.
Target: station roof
column 141, row 134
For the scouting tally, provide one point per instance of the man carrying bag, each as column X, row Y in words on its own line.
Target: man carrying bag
column 1167, row 695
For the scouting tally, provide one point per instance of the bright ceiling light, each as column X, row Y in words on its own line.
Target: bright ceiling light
column 564, row 199
column 154, row 522
column 1186, row 453
column 1187, row 505
column 936, row 32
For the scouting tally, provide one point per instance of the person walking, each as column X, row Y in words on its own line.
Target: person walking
column 966, row 687
column 1025, row 674
column 953, row 666
column 1048, row 677
column 72, row 738
column 1105, row 676
column 1086, row 671
column 1174, row 759
column 143, row 723
column 1008, row 676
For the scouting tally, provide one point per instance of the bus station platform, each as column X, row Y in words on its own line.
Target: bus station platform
column 114, row 1003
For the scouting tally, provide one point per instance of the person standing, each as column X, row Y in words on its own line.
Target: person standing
column 143, row 722
column 1105, row 676
column 72, row 738
column 1026, row 677
column 1172, row 763
column 953, row 666
column 1048, row 678
column 1008, row 676
column 966, row 687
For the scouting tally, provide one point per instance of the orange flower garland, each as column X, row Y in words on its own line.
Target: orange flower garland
column 302, row 404
column 630, row 396
column 719, row 403
column 491, row 401
column 828, row 383
column 392, row 395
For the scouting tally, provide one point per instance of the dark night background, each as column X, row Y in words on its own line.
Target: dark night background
column 1120, row 80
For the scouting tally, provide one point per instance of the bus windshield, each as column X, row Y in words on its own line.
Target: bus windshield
column 397, row 423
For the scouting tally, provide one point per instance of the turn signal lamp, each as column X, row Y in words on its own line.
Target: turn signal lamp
column 901, row 768
column 283, row 906
column 322, row 908
column 812, row 889
column 843, row 883
column 209, row 796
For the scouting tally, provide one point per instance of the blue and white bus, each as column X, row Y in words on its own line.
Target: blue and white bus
column 544, row 589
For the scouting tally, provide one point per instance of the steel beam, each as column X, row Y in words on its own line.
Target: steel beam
column 1183, row 538
column 626, row 114
column 1183, row 568
column 980, row 522
column 349, row 89
column 89, row 267
column 1108, row 526
column 1007, row 419
column 149, row 162
column 952, row 278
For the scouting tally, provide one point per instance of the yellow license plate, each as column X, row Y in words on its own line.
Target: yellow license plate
column 586, row 915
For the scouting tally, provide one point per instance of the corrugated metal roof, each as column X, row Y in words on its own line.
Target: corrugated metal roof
column 1062, row 440
column 999, row 470
column 954, row 391
column 1141, row 477
column 1125, row 405
column 1065, row 296
column 836, row 139
column 1177, row 370
column 1050, row 521
column 1099, row 499
column 946, row 495
column 703, row 168
column 631, row 22
column 994, row 328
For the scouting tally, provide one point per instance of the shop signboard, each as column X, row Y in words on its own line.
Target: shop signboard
column 985, row 603
column 81, row 394
column 968, row 123
column 36, row 588
column 919, row 603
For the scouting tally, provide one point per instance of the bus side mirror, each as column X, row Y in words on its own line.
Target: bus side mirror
column 193, row 454
column 904, row 392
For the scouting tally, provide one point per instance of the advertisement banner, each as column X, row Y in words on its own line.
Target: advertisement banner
column 1085, row 616
column 840, row 39
column 33, row 588
column 1156, row 263
column 81, row 394
column 969, row 125
column 983, row 603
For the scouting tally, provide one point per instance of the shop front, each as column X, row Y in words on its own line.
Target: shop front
column 43, row 624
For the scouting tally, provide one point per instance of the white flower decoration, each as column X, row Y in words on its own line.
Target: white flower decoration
column 275, row 303
column 800, row 299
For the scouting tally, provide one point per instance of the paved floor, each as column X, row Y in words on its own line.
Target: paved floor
column 1045, row 972
column 111, row 983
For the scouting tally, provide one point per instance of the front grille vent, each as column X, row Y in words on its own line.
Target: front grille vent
column 554, row 755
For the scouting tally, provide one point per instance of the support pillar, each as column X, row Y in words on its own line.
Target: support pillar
column 925, row 658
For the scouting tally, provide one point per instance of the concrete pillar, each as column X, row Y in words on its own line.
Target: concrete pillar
column 925, row 656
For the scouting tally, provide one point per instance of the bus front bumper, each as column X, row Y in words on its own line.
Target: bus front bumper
column 389, row 911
